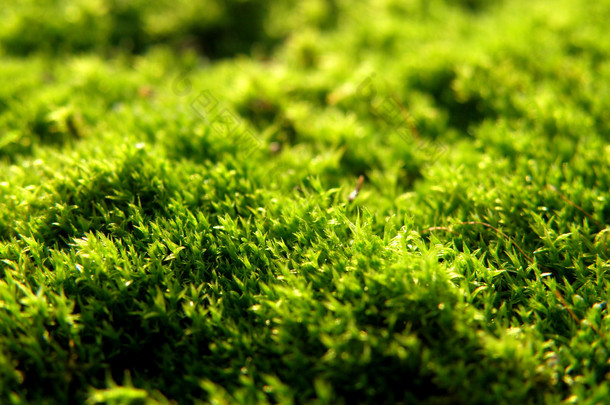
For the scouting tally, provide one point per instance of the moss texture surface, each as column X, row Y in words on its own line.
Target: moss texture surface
column 320, row 201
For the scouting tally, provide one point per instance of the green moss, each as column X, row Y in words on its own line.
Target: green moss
column 179, row 221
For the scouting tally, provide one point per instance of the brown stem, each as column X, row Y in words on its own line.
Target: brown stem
column 406, row 116
column 565, row 304
column 501, row 233
column 356, row 191
column 556, row 292
column 573, row 204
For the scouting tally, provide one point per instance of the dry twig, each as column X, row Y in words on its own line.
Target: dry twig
column 356, row 191
column 573, row 204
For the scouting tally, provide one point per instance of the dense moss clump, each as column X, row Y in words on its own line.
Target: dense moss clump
column 304, row 201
